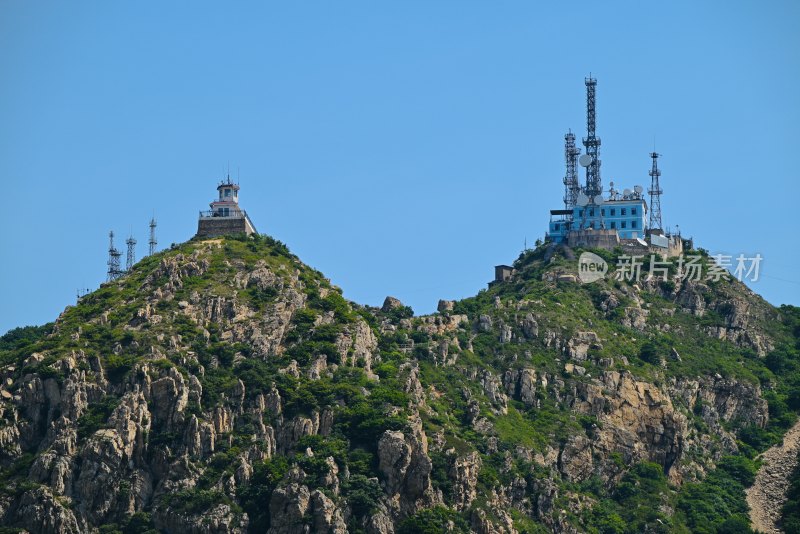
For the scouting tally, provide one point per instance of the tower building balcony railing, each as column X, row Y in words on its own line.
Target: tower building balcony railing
column 232, row 214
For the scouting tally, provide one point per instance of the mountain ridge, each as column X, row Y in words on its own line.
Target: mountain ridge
column 224, row 386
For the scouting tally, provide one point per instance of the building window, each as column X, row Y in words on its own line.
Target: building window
column 603, row 212
column 613, row 225
column 591, row 225
column 622, row 224
column 623, row 211
column 633, row 224
column 591, row 212
column 555, row 227
column 613, row 211
column 633, row 211
column 227, row 192
column 580, row 213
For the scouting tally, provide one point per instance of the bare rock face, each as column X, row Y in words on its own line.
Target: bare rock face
column 170, row 395
column 287, row 508
column 483, row 524
column 521, row 384
column 464, row 474
column 494, row 391
column 445, row 306
column 296, row 510
column 578, row 347
column 39, row 511
column 327, row 517
column 403, row 460
column 484, row 323
column 218, row 520
column 391, row 303
column 529, row 326
column 638, row 419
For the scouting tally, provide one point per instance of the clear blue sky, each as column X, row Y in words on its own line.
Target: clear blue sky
column 402, row 148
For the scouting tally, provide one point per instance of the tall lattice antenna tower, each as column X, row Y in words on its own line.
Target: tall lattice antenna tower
column 153, row 241
column 131, row 258
column 571, row 185
column 592, row 143
column 114, row 255
column 655, row 194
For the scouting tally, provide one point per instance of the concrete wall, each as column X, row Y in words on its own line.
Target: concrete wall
column 218, row 226
column 607, row 239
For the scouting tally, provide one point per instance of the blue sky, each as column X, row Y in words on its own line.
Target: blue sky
column 402, row 148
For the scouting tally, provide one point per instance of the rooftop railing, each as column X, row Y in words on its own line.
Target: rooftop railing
column 233, row 214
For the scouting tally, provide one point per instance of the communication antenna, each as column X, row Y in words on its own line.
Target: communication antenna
column 131, row 257
column 592, row 142
column 571, row 185
column 114, row 270
column 612, row 193
column 153, row 241
column 655, row 194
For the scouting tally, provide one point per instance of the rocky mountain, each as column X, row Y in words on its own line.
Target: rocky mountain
column 223, row 387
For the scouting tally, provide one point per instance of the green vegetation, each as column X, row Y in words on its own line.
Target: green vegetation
column 96, row 416
column 434, row 520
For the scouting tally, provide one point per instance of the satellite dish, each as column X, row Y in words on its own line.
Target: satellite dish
column 638, row 189
column 626, row 193
column 585, row 160
column 582, row 200
column 598, row 200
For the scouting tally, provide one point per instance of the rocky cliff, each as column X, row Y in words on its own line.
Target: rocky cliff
column 223, row 386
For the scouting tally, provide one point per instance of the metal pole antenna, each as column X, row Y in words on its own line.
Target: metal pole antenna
column 153, row 241
column 131, row 257
column 571, row 185
column 592, row 142
column 114, row 270
column 655, row 194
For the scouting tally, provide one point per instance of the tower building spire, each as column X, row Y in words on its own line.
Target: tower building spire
column 655, row 194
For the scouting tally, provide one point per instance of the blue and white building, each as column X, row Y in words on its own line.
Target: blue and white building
column 627, row 214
